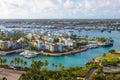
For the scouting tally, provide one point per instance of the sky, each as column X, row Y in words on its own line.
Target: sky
column 59, row 9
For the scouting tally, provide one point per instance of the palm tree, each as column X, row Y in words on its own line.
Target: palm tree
column 25, row 63
column 36, row 66
column 61, row 67
column 1, row 61
column 11, row 62
column 21, row 61
column 15, row 61
column 56, row 67
column 53, row 65
column 4, row 60
column 32, row 60
column 46, row 63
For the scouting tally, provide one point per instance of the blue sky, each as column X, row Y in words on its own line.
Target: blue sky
column 59, row 9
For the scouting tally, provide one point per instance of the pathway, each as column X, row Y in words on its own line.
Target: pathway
column 89, row 73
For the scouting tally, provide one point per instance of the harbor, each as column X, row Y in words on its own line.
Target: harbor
column 80, row 58
column 60, row 40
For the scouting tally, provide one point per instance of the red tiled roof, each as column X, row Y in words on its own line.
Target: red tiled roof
column 69, row 40
column 36, row 42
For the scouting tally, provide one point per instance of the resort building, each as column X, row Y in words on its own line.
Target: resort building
column 4, row 45
column 53, row 48
column 41, row 46
column 69, row 42
column 47, row 46
column 56, row 47
column 60, row 47
column 35, row 43
column 14, row 45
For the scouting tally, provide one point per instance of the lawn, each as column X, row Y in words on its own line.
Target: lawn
column 108, row 57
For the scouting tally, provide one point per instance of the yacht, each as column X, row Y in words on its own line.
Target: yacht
column 28, row 54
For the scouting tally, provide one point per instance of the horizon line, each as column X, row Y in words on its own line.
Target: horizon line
column 61, row 19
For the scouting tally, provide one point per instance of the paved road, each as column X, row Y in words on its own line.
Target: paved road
column 89, row 73
column 10, row 74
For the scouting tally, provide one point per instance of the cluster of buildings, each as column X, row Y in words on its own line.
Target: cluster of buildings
column 51, row 41
column 8, row 45
column 42, row 40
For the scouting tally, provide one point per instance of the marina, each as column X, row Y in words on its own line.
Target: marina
column 60, row 40
column 78, row 59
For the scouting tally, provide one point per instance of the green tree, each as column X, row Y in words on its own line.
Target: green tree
column 1, row 61
column 46, row 63
column 56, row 67
column 25, row 63
column 4, row 78
column 11, row 62
column 111, row 51
column 4, row 60
column 53, row 65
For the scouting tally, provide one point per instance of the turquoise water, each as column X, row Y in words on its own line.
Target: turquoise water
column 80, row 58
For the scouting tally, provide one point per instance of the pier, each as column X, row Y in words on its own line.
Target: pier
column 10, row 52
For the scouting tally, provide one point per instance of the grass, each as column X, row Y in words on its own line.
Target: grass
column 108, row 57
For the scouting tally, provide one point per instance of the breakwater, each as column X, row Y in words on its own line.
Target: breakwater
column 65, row 53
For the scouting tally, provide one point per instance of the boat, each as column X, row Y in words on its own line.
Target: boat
column 71, row 31
column 102, row 30
column 28, row 54
column 109, row 31
column 108, row 44
column 22, row 53
column 2, row 54
column 92, row 46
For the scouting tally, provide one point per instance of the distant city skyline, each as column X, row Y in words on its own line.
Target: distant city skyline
column 59, row 9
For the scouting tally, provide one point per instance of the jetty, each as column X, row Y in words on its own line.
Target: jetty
column 10, row 52
column 65, row 53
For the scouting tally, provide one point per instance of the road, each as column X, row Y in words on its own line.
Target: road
column 89, row 73
column 10, row 74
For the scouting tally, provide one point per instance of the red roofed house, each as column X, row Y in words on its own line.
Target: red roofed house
column 69, row 42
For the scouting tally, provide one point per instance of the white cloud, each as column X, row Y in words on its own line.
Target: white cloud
column 59, row 8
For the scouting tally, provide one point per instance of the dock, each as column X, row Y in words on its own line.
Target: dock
column 13, row 51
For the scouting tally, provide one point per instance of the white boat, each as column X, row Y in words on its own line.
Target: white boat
column 2, row 54
column 28, row 54
column 90, row 46
column 22, row 53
